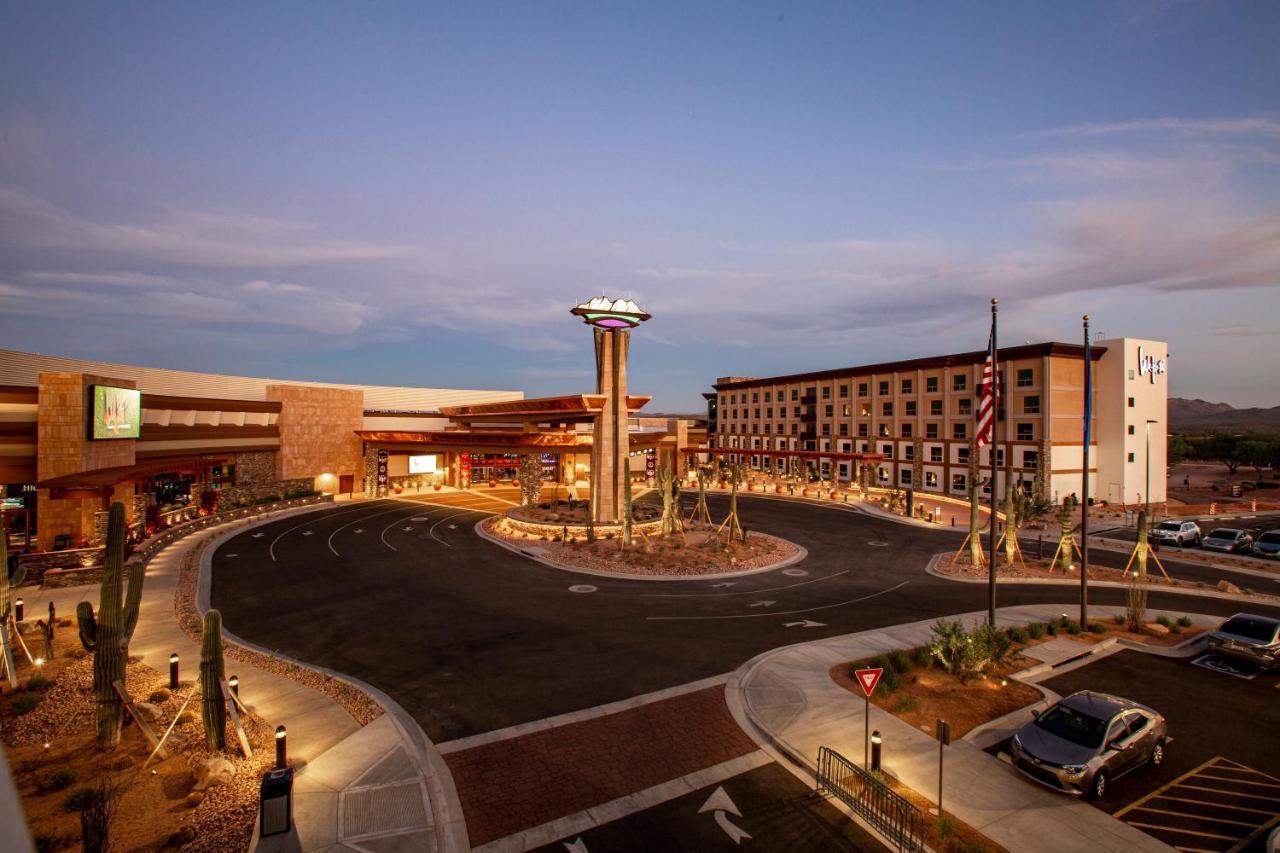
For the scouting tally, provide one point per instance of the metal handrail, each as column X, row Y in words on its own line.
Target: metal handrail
column 889, row 812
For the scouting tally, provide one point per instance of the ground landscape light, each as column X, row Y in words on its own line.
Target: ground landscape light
column 605, row 313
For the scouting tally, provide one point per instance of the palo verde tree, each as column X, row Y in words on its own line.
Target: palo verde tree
column 107, row 636
column 1135, row 610
column 670, row 491
column 975, row 522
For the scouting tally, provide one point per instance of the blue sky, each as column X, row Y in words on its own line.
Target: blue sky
column 407, row 193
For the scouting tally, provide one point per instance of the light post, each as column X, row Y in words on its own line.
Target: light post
column 281, row 747
column 173, row 671
column 1148, row 486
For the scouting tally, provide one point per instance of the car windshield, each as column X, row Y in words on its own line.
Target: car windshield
column 1075, row 726
column 1271, row 537
column 1170, row 525
column 1224, row 533
column 1254, row 627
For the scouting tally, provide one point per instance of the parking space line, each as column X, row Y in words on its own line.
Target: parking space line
column 1233, row 793
column 1217, row 805
column 1183, row 831
column 1249, row 824
column 1258, row 833
column 1158, row 791
column 1241, row 781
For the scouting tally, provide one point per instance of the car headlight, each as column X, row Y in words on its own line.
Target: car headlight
column 1074, row 769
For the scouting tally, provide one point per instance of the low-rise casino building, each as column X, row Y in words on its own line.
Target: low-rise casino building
column 920, row 414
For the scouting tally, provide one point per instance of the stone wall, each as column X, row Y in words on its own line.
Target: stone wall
column 318, row 431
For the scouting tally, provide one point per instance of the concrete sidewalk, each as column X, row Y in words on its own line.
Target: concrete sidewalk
column 787, row 700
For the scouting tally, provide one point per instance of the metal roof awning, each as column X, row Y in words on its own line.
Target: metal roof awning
column 571, row 408
column 510, row 441
column 105, row 478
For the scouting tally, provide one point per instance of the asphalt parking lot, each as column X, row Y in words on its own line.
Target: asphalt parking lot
column 1218, row 788
column 1254, row 523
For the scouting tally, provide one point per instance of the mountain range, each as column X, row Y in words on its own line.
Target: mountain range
column 1197, row 415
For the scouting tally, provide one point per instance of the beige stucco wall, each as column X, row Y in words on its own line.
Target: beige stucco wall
column 1119, row 380
column 318, row 430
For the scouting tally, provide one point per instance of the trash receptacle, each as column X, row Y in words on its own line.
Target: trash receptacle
column 275, row 802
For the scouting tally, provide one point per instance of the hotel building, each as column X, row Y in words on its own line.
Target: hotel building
column 920, row 415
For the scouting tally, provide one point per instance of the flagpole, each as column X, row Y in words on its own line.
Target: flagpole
column 995, row 432
column 1084, row 477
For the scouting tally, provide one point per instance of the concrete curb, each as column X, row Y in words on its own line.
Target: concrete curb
column 801, row 554
column 1257, row 598
column 450, row 824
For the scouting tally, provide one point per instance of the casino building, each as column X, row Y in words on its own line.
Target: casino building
column 920, row 415
column 77, row 435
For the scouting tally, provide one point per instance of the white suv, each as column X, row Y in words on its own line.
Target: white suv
column 1180, row 533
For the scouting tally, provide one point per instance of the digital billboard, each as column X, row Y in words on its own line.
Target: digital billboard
column 116, row 413
column 422, row 464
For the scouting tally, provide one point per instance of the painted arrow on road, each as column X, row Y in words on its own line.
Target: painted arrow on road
column 578, row 846
column 805, row 624
column 724, row 584
column 257, row 536
column 762, row 604
column 720, row 803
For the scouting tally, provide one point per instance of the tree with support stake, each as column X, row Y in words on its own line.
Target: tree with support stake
column 1067, row 544
column 701, row 515
column 670, row 490
column 1014, row 500
column 732, row 522
column 974, row 539
column 6, row 612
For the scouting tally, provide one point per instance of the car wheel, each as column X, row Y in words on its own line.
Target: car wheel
column 1099, row 787
column 1157, row 754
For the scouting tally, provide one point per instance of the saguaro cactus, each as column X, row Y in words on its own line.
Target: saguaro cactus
column 109, row 634
column 626, row 510
column 213, row 703
column 1136, row 591
column 975, row 522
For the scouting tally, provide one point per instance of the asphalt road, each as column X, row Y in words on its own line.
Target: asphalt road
column 1255, row 523
column 470, row 638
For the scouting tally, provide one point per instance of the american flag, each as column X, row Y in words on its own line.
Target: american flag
column 986, row 401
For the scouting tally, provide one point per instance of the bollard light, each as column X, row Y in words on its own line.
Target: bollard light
column 17, row 610
column 38, row 661
column 281, row 747
column 875, row 751
column 234, row 683
column 173, row 671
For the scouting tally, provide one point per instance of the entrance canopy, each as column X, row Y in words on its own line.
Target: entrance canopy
column 477, row 441
column 103, row 480
column 573, row 408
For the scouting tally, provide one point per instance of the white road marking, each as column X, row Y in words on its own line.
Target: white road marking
column 740, row 592
column 720, row 803
column 795, row 573
column 761, row 603
column 408, row 529
column 310, row 520
column 805, row 624
column 258, row 535
column 307, row 532
column 578, row 846
column 781, row 612
column 229, row 556
column 452, row 526
column 400, row 508
column 722, row 583
column 583, row 588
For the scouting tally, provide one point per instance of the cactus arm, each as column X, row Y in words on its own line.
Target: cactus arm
column 5, row 595
column 88, row 627
column 213, row 704
column 133, row 601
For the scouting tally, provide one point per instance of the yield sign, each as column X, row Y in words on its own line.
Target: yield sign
column 869, row 678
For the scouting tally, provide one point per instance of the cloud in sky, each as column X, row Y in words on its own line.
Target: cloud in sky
column 1253, row 125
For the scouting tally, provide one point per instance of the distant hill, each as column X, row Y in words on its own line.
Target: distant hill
column 1198, row 415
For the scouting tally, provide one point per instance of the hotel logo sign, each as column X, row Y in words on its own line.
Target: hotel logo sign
column 1149, row 365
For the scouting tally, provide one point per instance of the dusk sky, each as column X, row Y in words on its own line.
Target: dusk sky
column 405, row 193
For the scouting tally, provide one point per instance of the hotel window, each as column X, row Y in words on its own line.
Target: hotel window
column 966, row 405
column 755, row 428
column 931, row 385
column 795, row 428
column 911, row 408
column 909, row 453
column 844, row 470
column 906, row 430
column 907, row 386
column 1031, row 404
column 828, row 410
column 959, row 382
column 1131, row 402
column 846, row 446
column 795, row 394
column 862, row 430
column 769, row 412
column 962, row 455
column 886, row 450
column 768, row 428
column 768, row 396
column 1130, row 457
column 935, row 454
column 904, row 476
column 935, row 408
column 844, row 429
column 862, row 389
column 755, row 396
column 958, row 431
column 846, row 410
column 864, row 448
column 884, row 387
column 1030, row 458
column 826, row 429
column 1026, row 377
column 844, row 390
column 757, row 412
column 886, row 408
column 884, row 430
column 1130, row 429
column 795, row 412
column 883, row 474
column 826, row 392
column 930, row 430
column 931, row 479
column 864, row 411
column 811, row 392
column 959, row 483
column 1026, row 432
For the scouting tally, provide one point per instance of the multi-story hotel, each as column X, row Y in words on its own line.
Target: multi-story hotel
column 920, row 415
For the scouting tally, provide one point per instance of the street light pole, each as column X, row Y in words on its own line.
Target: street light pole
column 1149, row 423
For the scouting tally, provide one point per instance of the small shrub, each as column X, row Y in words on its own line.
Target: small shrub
column 900, row 662
column 1097, row 628
column 1018, row 635
column 1063, row 621
column 60, row 779
column 1036, row 630
column 888, row 682
column 1163, row 620
column 922, row 658
column 1051, row 628
column 77, row 799
column 1119, row 619
column 1184, row 621
column 906, row 704
column 881, row 662
column 1074, row 629
column 158, row 696
column 25, row 702
column 1175, row 628
column 187, row 716
column 946, row 827
column 38, row 682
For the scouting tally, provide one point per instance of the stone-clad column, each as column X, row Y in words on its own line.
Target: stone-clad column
column 602, row 447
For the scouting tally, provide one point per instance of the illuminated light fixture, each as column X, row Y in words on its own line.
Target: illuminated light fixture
column 605, row 313
column 39, row 661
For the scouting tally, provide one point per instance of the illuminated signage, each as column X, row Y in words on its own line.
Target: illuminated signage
column 1149, row 365
column 606, row 313
column 422, row 464
column 117, row 412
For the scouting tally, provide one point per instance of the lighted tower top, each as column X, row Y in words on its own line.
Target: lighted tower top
column 607, row 313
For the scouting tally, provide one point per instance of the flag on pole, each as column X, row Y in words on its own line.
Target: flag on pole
column 986, row 400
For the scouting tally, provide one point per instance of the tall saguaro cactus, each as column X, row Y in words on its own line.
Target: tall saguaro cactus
column 109, row 634
column 6, row 608
column 975, row 522
column 213, row 703
column 671, row 522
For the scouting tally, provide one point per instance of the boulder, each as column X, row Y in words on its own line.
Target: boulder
column 1227, row 586
column 150, row 713
column 1155, row 629
column 195, row 798
column 213, row 772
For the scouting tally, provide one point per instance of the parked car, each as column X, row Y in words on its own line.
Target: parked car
column 1229, row 539
column 1248, row 637
column 1268, row 545
column 1088, row 739
column 1180, row 533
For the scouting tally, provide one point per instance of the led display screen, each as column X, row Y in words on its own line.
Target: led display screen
column 116, row 412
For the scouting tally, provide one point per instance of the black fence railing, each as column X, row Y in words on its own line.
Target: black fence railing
column 890, row 813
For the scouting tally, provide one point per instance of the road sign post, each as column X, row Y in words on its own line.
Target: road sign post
column 944, row 739
column 868, row 678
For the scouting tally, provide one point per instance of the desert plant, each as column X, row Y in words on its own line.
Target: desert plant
column 889, row 682
column 186, row 716
column 1036, row 630
column 1163, row 620
column 159, row 695
column 949, row 638
column 96, row 815
column 946, row 827
column 669, row 488
column 1051, row 628
column 1073, row 628
column 1097, row 628
column 900, row 662
column 38, row 682
column 1184, row 621
column 975, row 526
column 213, row 704
column 1174, row 628
column 60, row 779
column 1120, row 619
column 906, row 704
column 25, row 702
column 1018, row 635
column 1136, row 586
column 922, row 657
column 77, row 799
column 108, row 635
